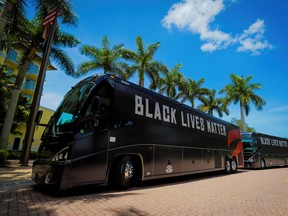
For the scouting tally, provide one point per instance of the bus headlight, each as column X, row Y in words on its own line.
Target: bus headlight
column 62, row 155
column 250, row 159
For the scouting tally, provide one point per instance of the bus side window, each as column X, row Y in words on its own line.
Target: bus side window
column 96, row 116
column 119, row 124
column 100, row 106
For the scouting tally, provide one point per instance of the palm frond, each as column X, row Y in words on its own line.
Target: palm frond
column 64, row 61
column 65, row 40
column 68, row 15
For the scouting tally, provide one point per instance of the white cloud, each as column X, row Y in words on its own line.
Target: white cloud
column 51, row 100
column 197, row 16
column 252, row 40
column 279, row 109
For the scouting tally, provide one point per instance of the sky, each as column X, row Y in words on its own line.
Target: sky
column 210, row 38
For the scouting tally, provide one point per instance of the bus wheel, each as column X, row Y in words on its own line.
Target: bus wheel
column 262, row 164
column 124, row 172
column 234, row 165
column 227, row 166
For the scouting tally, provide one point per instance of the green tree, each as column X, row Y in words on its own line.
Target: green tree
column 6, row 85
column 238, row 122
column 211, row 104
column 103, row 58
column 143, row 62
column 12, row 12
column 190, row 90
column 243, row 92
column 30, row 35
column 170, row 83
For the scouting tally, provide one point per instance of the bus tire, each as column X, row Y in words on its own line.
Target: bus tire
column 124, row 172
column 234, row 165
column 227, row 166
column 262, row 164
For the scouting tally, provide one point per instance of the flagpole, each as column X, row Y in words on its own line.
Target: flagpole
column 30, row 125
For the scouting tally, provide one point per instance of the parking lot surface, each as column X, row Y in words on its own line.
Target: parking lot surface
column 248, row 192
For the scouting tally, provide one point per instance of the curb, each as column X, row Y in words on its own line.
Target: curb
column 6, row 186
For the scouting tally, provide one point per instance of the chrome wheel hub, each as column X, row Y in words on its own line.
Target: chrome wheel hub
column 128, row 174
column 233, row 165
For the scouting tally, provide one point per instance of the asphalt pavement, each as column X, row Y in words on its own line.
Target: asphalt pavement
column 245, row 193
column 13, row 175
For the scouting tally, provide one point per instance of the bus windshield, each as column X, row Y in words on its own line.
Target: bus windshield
column 247, row 141
column 69, row 108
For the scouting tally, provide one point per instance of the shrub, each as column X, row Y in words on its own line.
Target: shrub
column 16, row 155
column 3, row 155
column 33, row 155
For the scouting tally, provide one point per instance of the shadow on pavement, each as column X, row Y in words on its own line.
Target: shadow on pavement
column 105, row 189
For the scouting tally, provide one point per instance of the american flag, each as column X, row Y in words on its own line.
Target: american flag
column 49, row 20
column 51, row 16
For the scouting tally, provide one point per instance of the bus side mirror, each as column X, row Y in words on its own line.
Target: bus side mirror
column 38, row 117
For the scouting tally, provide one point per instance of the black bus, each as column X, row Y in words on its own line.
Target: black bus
column 262, row 150
column 108, row 130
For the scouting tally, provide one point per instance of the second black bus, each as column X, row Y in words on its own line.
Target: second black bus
column 262, row 150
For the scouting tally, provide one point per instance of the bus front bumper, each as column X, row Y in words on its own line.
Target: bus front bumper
column 48, row 173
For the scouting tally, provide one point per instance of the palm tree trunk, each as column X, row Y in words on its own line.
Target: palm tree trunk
column 141, row 78
column 8, row 121
column 210, row 112
column 192, row 103
column 243, row 123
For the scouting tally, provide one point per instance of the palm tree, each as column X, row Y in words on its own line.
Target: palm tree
column 211, row 104
column 30, row 36
column 143, row 62
column 68, row 16
column 170, row 83
column 242, row 91
column 11, row 13
column 238, row 122
column 105, row 57
column 191, row 90
column 15, row 10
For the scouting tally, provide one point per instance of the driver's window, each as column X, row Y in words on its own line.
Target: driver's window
column 96, row 116
column 98, row 107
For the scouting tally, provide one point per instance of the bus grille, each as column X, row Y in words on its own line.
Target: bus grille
column 218, row 161
column 247, row 154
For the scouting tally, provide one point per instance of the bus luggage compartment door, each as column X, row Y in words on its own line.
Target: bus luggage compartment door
column 167, row 160
column 192, row 159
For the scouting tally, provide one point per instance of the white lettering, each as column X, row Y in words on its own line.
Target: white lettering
column 224, row 130
column 265, row 141
column 182, row 120
column 173, row 118
column 147, row 109
column 216, row 128
column 192, row 120
column 197, row 123
column 157, row 113
column 202, row 127
column 166, row 116
column 209, row 127
column 188, row 122
column 138, row 105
